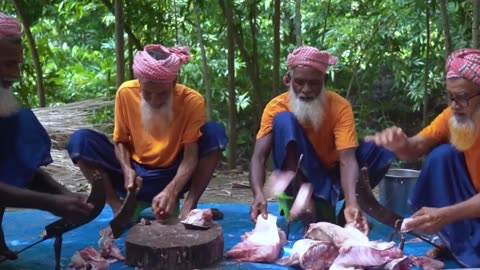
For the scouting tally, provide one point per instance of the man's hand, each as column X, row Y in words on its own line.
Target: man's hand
column 259, row 206
column 428, row 220
column 164, row 204
column 132, row 181
column 392, row 138
column 73, row 207
column 355, row 216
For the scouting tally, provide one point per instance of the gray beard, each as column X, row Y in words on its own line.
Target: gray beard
column 312, row 111
column 8, row 103
column 156, row 121
column 463, row 134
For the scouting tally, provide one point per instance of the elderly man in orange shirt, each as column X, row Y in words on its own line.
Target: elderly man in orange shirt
column 162, row 143
column 318, row 124
column 446, row 193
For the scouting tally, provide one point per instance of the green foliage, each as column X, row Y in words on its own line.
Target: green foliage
column 381, row 47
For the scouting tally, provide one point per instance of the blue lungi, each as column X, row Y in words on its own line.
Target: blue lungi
column 445, row 181
column 24, row 147
column 95, row 147
column 326, row 183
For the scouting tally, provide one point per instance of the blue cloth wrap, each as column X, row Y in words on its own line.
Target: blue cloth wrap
column 326, row 183
column 95, row 147
column 24, row 147
column 443, row 181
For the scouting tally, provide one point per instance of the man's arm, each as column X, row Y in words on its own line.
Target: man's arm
column 405, row 148
column 261, row 151
column 348, row 177
column 348, row 174
column 163, row 205
column 416, row 147
column 430, row 220
column 123, row 156
column 185, row 170
column 60, row 205
column 12, row 196
column 131, row 181
column 468, row 209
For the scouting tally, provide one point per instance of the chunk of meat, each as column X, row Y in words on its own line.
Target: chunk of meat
column 355, row 249
column 109, row 249
column 263, row 244
column 405, row 227
column 277, row 183
column 325, row 231
column 398, row 264
column 364, row 255
column 90, row 258
column 200, row 217
column 426, row 262
column 303, row 207
column 311, row 254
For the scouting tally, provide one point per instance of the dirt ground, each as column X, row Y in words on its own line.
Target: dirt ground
column 227, row 186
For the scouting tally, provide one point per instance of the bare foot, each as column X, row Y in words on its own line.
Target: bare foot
column 439, row 253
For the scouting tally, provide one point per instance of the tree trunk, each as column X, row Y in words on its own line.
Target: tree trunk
column 119, row 43
column 250, row 61
column 276, row 47
column 427, row 62
column 254, row 72
column 35, row 57
column 131, row 76
column 325, row 23
column 446, row 28
column 129, row 32
column 298, row 22
column 206, row 78
column 476, row 7
column 232, row 108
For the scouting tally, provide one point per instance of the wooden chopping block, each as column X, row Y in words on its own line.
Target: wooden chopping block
column 160, row 246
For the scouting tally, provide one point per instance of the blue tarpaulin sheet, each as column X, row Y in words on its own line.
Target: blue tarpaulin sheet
column 24, row 227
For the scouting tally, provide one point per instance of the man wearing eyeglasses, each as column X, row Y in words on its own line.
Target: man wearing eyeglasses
column 446, row 193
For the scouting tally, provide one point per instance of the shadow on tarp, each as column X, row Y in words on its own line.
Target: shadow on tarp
column 24, row 227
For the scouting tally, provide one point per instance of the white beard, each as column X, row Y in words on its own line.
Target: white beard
column 157, row 121
column 463, row 134
column 8, row 103
column 312, row 111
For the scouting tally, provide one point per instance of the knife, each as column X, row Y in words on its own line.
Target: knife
column 122, row 220
column 369, row 204
column 59, row 227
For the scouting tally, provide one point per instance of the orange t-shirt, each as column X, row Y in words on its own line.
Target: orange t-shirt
column 439, row 131
column 337, row 131
column 189, row 116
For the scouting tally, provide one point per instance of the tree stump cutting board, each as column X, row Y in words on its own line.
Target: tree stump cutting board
column 160, row 246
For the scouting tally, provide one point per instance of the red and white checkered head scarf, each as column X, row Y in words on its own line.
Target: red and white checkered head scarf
column 312, row 57
column 464, row 63
column 163, row 66
column 9, row 27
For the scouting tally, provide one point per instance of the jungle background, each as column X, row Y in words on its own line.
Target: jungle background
column 391, row 54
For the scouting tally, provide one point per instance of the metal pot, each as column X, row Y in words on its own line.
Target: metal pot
column 395, row 189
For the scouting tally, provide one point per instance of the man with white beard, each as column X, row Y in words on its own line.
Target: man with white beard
column 162, row 144
column 446, row 193
column 25, row 146
column 318, row 124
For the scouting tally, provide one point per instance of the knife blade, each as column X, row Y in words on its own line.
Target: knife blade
column 369, row 204
column 63, row 225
